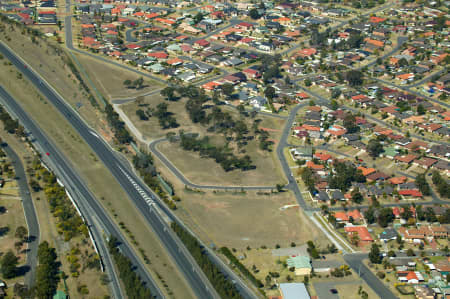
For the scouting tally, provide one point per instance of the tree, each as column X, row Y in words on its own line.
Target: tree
column 138, row 83
column 334, row 105
column 227, row 89
column 350, row 123
column 169, row 93
column 279, row 187
column 47, row 277
column 354, row 239
column 422, row 183
column 410, row 252
column 21, row 233
column 374, row 254
column 374, row 147
column 269, row 92
column 254, row 14
column 357, row 196
column 420, row 109
column 198, row 17
column 127, row 83
column 141, row 114
column 9, row 264
column 385, row 217
column 354, row 78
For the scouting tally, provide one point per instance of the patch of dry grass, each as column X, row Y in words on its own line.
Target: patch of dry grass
column 109, row 78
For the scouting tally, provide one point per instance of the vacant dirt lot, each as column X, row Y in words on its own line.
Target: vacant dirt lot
column 246, row 219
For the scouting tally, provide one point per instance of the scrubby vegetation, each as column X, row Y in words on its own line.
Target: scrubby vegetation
column 224, row 287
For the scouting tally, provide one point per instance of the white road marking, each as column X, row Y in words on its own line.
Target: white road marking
column 142, row 192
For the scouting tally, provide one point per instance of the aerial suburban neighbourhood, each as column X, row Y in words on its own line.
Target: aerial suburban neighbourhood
column 289, row 149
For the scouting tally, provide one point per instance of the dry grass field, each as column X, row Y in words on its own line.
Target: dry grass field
column 109, row 79
column 207, row 171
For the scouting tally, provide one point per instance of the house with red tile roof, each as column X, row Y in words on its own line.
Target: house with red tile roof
column 374, row 42
column 322, row 156
column 314, row 166
column 410, row 193
column 377, row 20
column 245, row 26
column 201, row 43
column 158, row 55
column 425, row 162
column 342, row 216
column 150, row 16
column 363, row 233
column 405, row 158
column 302, row 95
column 165, row 21
column 252, row 73
column 397, row 180
column 405, row 77
column 336, row 131
column 366, row 171
column 307, row 52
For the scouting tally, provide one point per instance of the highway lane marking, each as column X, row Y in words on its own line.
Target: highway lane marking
column 138, row 188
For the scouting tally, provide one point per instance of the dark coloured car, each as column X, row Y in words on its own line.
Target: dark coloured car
column 333, row 291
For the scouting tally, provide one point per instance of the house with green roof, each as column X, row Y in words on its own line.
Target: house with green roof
column 390, row 152
column 301, row 263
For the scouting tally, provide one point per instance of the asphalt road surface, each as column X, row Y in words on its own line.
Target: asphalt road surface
column 30, row 215
column 292, row 184
column 78, row 190
column 355, row 262
column 146, row 201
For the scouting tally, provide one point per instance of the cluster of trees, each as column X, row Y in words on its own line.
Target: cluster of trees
column 350, row 123
column 11, row 126
column 120, row 131
column 138, row 83
column 169, row 93
column 309, row 179
column 47, row 277
column 383, row 216
column 422, row 184
column 166, row 118
column 312, row 250
column 441, row 184
column 343, row 175
column 70, row 223
column 8, row 265
column 375, row 256
column 355, row 78
column 76, row 73
column 342, row 271
column 225, row 251
column 221, row 155
column 374, row 147
column 270, row 67
column 134, row 286
column 224, row 287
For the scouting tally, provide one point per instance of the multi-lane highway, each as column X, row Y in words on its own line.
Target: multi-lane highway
column 75, row 186
column 30, row 215
column 146, row 201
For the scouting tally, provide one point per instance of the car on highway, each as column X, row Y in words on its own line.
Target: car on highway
column 333, row 291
